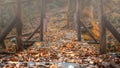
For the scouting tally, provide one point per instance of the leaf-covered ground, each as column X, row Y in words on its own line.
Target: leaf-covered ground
column 60, row 49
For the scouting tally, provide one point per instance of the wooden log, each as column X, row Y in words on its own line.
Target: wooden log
column 23, row 35
column 103, row 38
column 19, row 27
column 32, row 34
column 103, row 31
column 111, row 28
column 90, row 33
column 78, row 20
column 19, row 35
column 42, row 12
column 93, row 42
column 46, row 20
column 2, row 43
column 28, row 43
column 7, row 30
column 68, row 13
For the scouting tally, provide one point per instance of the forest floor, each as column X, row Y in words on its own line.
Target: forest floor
column 60, row 49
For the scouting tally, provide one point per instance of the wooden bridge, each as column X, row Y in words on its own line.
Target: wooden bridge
column 17, row 22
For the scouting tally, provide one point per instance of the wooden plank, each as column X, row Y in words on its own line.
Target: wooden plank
column 111, row 28
column 32, row 34
column 103, row 38
column 93, row 42
column 46, row 18
column 19, row 27
column 78, row 20
column 68, row 13
column 19, row 35
column 42, row 12
column 90, row 33
column 103, row 31
column 23, row 35
column 2, row 43
column 7, row 30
